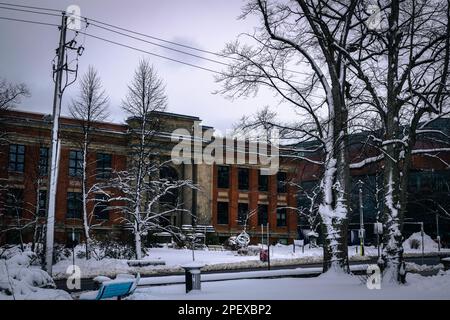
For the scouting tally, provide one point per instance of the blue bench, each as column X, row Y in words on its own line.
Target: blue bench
column 118, row 288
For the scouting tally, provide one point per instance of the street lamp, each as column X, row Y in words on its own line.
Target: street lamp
column 438, row 237
column 361, row 219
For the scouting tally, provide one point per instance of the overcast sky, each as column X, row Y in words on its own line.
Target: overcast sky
column 27, row 51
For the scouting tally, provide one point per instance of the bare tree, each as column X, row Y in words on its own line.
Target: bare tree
column 294, row 36
column 139, row 189
column 89, row 107
column 10, row 94
column 400, row 68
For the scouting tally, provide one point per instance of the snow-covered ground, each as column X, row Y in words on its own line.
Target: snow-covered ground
column 174, row 258
column 214, row 260
column 326, row 286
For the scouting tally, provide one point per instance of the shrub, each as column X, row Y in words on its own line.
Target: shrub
column 415, row 244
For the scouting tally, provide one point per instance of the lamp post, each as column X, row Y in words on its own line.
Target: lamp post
column 438, row 237
column 73, row 249
column 423, row 244
column 361, row 219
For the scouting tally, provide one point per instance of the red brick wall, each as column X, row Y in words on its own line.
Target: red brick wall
column 25, row 134
column 253, row 200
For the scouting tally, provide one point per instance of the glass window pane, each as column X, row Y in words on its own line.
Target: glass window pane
column 242, row 213
column 223, row 177
column 222, row 212
column 263, row 182
column 243, row 177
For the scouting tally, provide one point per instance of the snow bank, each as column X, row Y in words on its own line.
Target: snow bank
column 416, row 238
column 326, row 286
column 213, row 260
column 22, row 278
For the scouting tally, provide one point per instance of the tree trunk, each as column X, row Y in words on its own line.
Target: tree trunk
column 392, row 237
column 334, row 209
column 138, row 244
column 392, row 215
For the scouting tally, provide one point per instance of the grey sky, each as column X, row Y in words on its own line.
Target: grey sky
column 27, row 51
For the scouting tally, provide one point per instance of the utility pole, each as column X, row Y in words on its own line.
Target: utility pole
column 55, row 147
column 361, row 219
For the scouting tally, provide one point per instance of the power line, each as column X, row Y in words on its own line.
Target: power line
column 31, row 7
column 176, row 50
column 151, row 37
column 31, row 11
column 29, row 21
column 163, row 57
column 148, row 52
column 173, row 43
column 159, row 45
column 135, row 49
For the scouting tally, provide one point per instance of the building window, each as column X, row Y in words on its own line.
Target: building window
column 242, row 213
column 75, row 163
column 104, row 165
column 101, row 210
column 73, row 237
column 16, row 157
column 222, row 212
column 74, row 205
column 223, row 177
column 262, row 214
column 14, row 202
column 243, row 174
column 281, row 217
column 43, row 161
column 42, row 202
column 281, row 182
column 263, row 182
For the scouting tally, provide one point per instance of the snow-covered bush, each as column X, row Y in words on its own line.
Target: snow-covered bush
column 115, row 250
column 111, row 249
column 8, row 251
column 60, row 252
column 414, row 244
column 21, row 277
column 231, row 244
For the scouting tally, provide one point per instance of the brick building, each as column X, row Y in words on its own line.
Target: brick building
column 24, row 166
column 228, row 194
